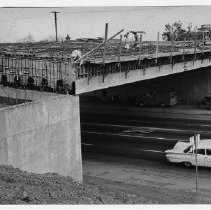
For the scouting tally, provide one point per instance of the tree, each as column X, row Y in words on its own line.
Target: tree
column 172, row 31
column 176, row 31
column 28, row 39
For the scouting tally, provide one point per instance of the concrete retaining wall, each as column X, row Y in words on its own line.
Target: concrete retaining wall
column 43, row 136
column 29, row 95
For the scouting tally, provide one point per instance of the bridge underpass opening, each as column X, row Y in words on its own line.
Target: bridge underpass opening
column 103, row 121
column 190, row 87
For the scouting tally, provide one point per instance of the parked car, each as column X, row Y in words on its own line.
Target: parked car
column 184, row 152
column 205, row 102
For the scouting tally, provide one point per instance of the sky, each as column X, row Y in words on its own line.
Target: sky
column 17, row 23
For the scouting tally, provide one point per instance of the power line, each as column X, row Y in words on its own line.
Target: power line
column 55, row 18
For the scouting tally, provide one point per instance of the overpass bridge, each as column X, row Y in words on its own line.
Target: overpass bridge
column 96, row 75
column 60, row 75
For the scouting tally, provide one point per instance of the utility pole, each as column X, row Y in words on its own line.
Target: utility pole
column 105, row 42
column 157, row 48
column 172, row 47
column 196, row 141
column 55, row 18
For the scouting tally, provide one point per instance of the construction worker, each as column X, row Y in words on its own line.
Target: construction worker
column 127, row 43
column 135, row 36
column 67, row 38
column 136, row 42
column 75, row 55
column 206, row 39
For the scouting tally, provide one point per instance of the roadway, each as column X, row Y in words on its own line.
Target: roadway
column 134, row 135
column 130, row 149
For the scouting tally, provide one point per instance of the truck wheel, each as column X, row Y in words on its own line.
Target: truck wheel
column 187, row 164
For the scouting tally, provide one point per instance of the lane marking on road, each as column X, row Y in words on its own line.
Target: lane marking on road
column 195, row 124
column 138, row 130
column 134, row 127
column 87, row 144
column 145, row 150
column 201, row 125
column 143, row 127
column 132, row 136
column 150, row 150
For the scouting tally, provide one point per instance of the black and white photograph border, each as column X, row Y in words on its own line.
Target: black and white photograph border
column 105, row 102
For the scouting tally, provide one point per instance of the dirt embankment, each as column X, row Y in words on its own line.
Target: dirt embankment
column 19, row 187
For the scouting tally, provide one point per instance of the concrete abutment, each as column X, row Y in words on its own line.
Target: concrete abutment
column 43, row 135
